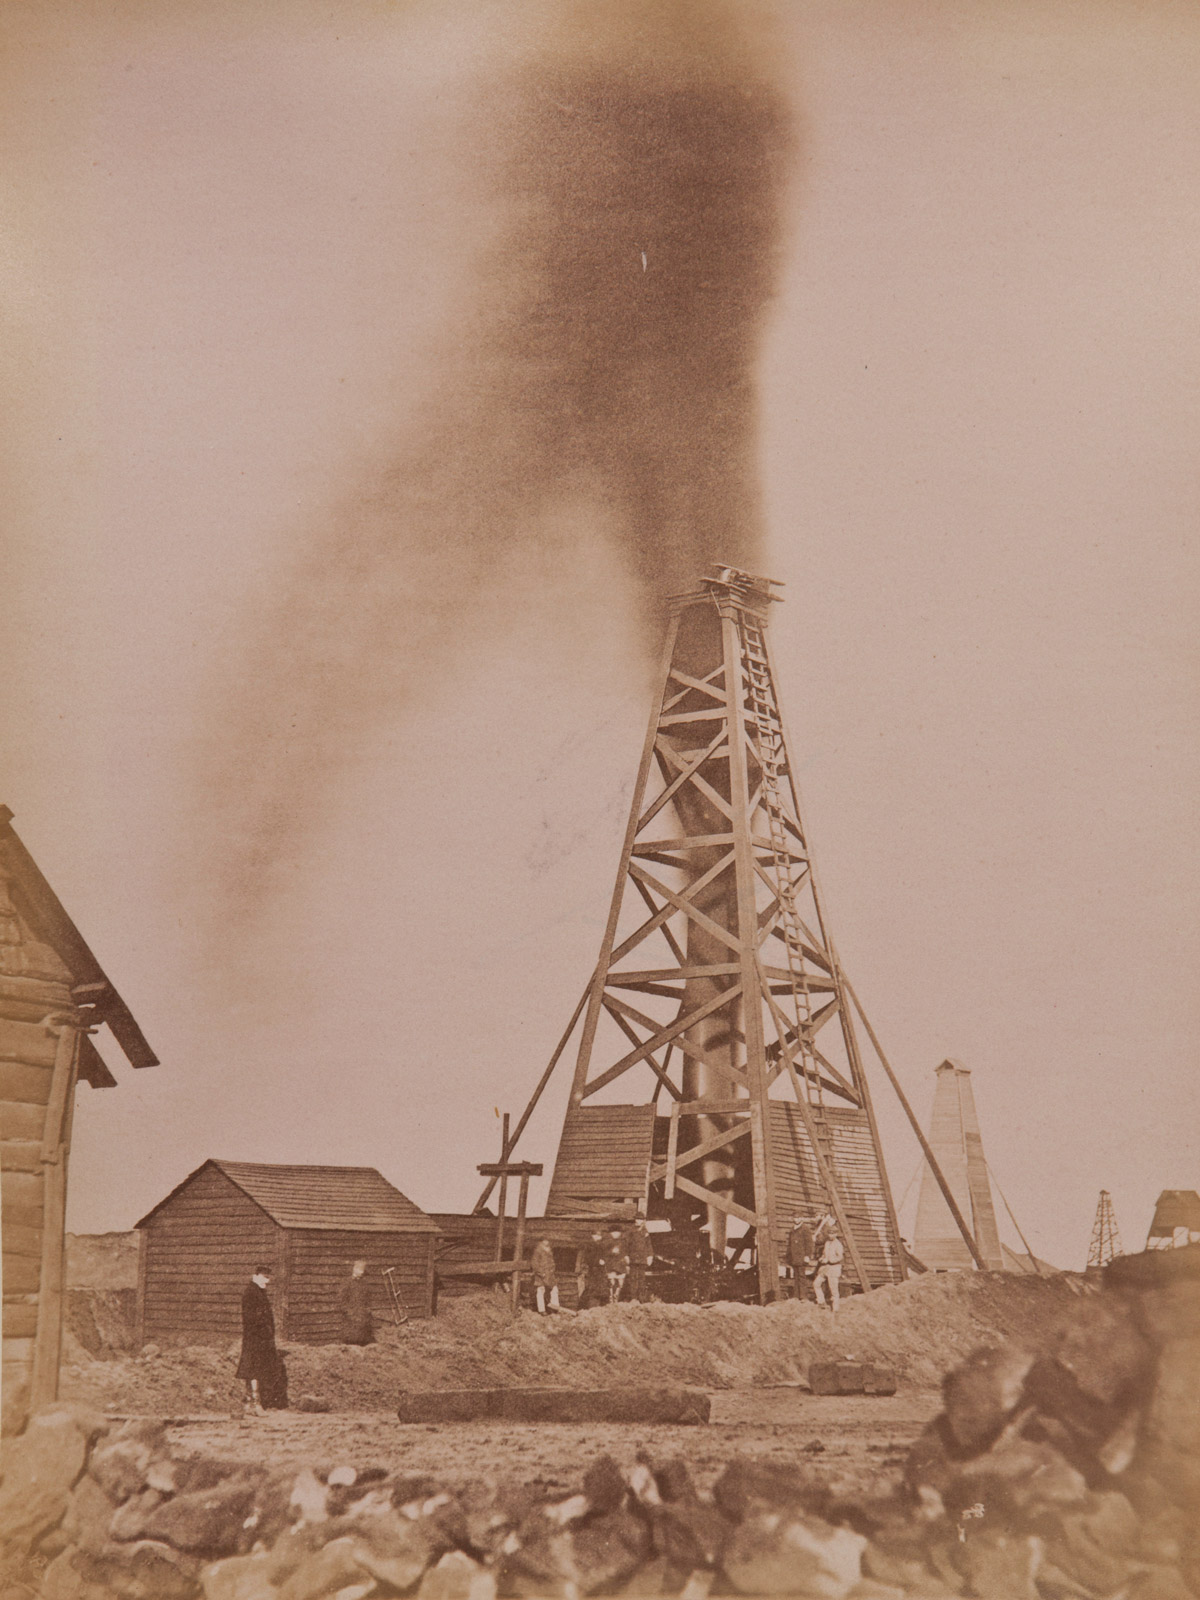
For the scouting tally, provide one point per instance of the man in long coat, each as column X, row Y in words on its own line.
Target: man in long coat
column 592, row 1277
column 260, row 1366
column 357, row 1326
column 802, row 1256
column 641, row 1258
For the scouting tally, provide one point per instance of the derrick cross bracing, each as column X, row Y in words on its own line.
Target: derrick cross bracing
column 717, row 980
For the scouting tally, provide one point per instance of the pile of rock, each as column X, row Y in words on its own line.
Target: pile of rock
column 1076, row 1474
column 1068, row 1476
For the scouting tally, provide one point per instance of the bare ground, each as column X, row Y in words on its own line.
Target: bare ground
column 921, row 1328
column 857, row 1442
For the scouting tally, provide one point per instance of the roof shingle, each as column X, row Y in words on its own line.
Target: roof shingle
column 350, row 1199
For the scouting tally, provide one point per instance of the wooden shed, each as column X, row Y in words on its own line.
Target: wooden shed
column 53, row 996
column 306, row 1225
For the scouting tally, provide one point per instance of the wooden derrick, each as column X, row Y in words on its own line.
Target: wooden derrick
column 718, row 984
column 719, row 987
column 956, row 1142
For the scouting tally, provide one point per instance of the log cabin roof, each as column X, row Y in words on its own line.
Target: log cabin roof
column 91, row 987
column 346, row 1199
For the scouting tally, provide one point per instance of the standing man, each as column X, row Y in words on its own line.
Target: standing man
column 545, row 1277
column 260, row 1365
column 616, row 1263
column 592, row 1277
column 357, row 1327
column 802, row 1255
column 830, row 1271
column 641, row 1257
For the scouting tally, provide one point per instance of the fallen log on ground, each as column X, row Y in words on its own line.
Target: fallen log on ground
column 555, row 1405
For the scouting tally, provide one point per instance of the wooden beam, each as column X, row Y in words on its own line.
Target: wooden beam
column 660, row 1072
column 712, row 1198
column 502, row 1204
column 660, row 918
column 715, row 1141
column 828, row 1177
column 681, row 902
column 682, row 775
column 672, row 1147
column 527, row 1170
column 673, row 1031
column 716, row 694
column 47, row 1353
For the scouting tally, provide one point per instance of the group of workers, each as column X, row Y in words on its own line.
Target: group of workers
column 611, row 1265
column 815, row 1253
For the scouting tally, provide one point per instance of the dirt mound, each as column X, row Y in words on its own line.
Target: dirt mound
column 102, row 1260
column 100, row 1322
column 921, row 1328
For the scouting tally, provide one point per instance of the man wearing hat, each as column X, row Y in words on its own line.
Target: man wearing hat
column 260, row 1366
column 829, row 1273
column 802, row 1255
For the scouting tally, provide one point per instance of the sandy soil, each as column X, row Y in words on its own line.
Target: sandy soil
column 921, row 1329
column 855, row 1442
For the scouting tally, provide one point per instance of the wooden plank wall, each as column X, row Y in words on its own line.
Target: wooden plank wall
column 200, row 1251
column 798, row 1187
column 320, row 1267
column 604, row 1155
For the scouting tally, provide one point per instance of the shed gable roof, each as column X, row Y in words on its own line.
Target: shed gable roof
column 41, row 911
column 340, row 1199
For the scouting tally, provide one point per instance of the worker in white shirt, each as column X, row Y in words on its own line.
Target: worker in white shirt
column 829, row 1273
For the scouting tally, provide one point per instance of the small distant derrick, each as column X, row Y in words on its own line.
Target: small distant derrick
column 1106, row 1236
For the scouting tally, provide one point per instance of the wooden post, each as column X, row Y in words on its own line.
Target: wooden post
column 503, row 1190
column 757, row 1104
column 140, row 1318
column 523, row 1170
column 48, row 1349
column 522, row 1198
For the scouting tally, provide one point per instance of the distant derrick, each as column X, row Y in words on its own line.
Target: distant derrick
column 1106, row 1236
column 956, row 1141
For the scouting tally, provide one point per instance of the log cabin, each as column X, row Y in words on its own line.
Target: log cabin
column 305, row 1224
column 53, row 997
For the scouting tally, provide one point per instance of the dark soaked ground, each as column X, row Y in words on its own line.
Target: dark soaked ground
column 856, row 1441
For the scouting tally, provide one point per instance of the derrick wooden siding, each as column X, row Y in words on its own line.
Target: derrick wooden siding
column 198, row 1254
column 319, row 1261
column 798, row 1188
column 603, row 1159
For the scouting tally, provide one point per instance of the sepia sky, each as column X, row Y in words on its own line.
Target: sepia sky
column 341, row 489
